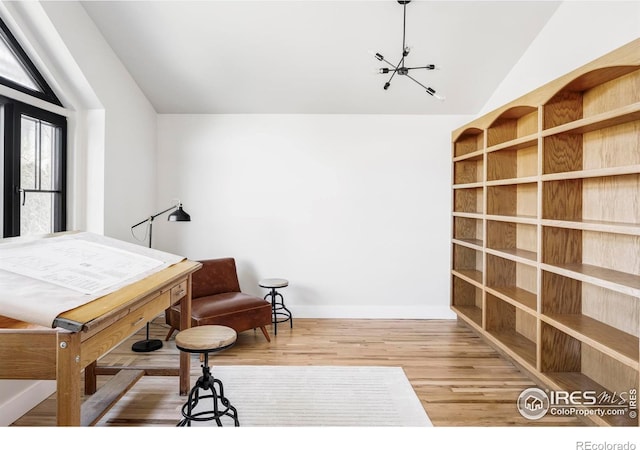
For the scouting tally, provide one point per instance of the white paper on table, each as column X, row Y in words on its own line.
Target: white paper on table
column 82, row 266
column 42, row 278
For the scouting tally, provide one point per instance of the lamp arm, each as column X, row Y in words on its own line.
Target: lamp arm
column 153, row 216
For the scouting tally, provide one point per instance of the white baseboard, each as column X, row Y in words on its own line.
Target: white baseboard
column 371, row 312
column 18, row 397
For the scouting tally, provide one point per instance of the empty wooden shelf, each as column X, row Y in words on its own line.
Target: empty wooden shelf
column 546, row 229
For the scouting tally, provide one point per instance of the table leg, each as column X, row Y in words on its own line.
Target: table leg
column 68, row 380
column 91, row 378
column 185, row 322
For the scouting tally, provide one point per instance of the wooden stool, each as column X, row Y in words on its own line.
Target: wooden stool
column 278, row 309
column 207, row 339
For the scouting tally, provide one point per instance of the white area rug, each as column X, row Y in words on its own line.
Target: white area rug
column 316, row 396
column 322, row 396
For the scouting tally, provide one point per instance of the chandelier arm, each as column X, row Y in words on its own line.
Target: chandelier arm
column 399, row 63
column 395, row 70
column 429, row 90
column 391, row 65
column 409, row 76
column 428, row 67
column 393, row 74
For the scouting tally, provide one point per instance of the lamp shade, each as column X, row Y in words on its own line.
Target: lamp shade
column 179, row 215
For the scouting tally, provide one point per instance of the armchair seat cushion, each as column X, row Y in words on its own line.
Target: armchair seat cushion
column 226, row 309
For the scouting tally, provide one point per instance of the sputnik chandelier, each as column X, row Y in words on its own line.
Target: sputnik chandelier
column 400, row 68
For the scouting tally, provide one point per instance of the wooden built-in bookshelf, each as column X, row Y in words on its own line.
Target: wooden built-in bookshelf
column 546, row 228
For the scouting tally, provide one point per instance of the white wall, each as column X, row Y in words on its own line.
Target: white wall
column 121, row 178
column 353, row 210
column 578, row 33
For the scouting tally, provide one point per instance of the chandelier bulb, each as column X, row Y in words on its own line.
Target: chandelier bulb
column 432, row 92
column 406, row 50
column 378, row 56
column 386, row 86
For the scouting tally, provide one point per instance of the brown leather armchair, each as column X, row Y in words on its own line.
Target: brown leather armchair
column 216, row 300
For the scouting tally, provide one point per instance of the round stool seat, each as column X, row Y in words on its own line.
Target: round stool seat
column 205, row 338
column 274, row 283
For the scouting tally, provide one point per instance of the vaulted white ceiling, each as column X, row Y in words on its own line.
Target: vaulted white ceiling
column 312, row 56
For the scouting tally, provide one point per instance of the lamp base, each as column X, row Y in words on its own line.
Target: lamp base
column 148, row 345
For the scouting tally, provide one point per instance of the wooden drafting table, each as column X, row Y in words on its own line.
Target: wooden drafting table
column 84, row 334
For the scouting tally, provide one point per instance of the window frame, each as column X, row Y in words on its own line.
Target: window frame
column 13, row 111
column 46, row 92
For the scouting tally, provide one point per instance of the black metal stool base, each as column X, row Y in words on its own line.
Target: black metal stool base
column 221, row 406
column 279, row 310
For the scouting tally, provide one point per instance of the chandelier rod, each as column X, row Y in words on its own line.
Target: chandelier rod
column 431, row 91
column 409, row 76
column 404, row 32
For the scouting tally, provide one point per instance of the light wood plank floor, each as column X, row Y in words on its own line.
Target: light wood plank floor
column 460, row 380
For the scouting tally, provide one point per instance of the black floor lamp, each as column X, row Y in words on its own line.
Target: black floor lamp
column 178, row 215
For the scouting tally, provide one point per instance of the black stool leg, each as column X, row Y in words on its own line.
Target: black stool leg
column 207, row 383
column 288, row 313
column 276, row 307
column 190, row 404
column 226, row 403
column 272, row 294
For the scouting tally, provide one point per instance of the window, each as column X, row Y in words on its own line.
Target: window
column 34, row 170
column 34, row 146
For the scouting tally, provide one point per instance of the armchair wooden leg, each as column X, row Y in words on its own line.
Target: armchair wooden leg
column 171, row 330
column 266, row 333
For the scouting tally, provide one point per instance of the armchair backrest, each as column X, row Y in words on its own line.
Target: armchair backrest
column 217, row 276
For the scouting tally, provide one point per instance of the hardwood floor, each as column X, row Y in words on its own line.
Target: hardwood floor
column 460, row 380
